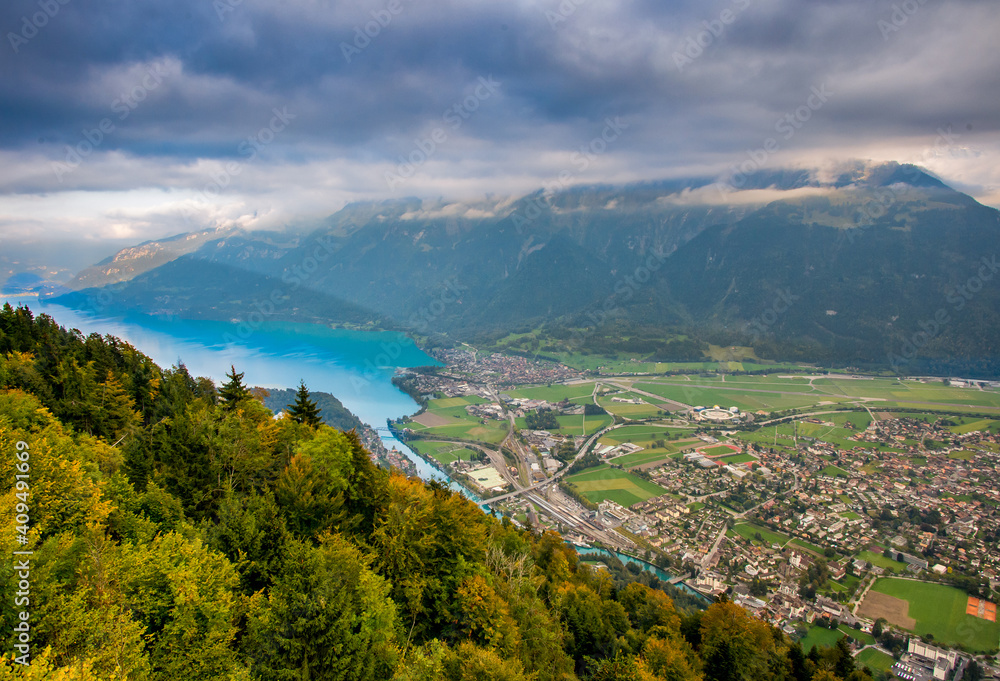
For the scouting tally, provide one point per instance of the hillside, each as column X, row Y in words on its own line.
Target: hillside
column 177, row 531
column 844, row 270
column 331, row 410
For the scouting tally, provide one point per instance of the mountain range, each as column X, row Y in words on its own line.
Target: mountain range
column 875, row 265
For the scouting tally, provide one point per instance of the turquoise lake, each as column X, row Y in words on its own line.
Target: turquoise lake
column 355, row 366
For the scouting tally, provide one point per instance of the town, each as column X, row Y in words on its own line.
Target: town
column 823, row 503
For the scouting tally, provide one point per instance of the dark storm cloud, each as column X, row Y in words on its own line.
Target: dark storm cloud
column 592, row 61
column 697, row 83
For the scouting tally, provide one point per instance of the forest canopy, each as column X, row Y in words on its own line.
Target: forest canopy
column 179, row 531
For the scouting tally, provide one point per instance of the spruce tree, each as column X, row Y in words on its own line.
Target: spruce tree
column 233, row 390
column 304, row 410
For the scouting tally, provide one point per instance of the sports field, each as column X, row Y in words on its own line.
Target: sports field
column 932, row 609
column 981, row 609
column 604, row 482
column 748, row 530
column 719, row 450
column 874, row 659
column 443, row 452
column 821, row 637
column 881, row 561
column 738, row 458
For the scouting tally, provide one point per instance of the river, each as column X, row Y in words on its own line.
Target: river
column 355, row 366
column 649, row 567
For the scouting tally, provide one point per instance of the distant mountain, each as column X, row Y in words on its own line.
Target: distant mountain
column 821, row 274
column 134, row 260
column 24, row 260
column 845, row 266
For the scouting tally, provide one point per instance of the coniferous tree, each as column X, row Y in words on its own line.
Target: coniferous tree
column 304, row 410
column 233, row 390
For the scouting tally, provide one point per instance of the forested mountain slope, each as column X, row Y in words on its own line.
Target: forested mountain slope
column 844, row 270
column 178, row 531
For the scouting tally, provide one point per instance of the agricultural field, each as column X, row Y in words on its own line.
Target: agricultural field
column 604, row 482
column 964, row 455
column 620, row 365
column 642, row 458
column 492, row 433
column 447, row 402
column 730, row 353
column 775, row 391
column 747, row 399
column 578, row 425
column 722, row 359
column 929, row 608
column 965, row 424
column 631, row 411
column 448, row 418
column 838, row 435
column 432, row 448
column 554, row 393
column 583, row 425
column 835, row 472
column 756, row 366
column 644, row 436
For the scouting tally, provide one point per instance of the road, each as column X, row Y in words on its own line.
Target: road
column 793, row 488
column 712, row 557
column 558, row 474
column 561, row 512
column 658, row 398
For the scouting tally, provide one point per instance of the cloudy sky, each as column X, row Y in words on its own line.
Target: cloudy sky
column 135, row 119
